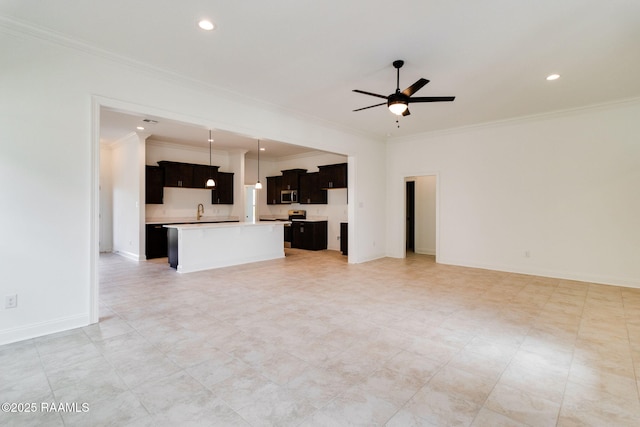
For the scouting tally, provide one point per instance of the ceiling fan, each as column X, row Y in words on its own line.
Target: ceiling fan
column 398, row 102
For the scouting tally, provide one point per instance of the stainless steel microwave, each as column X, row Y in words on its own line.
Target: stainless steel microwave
column 289, row 196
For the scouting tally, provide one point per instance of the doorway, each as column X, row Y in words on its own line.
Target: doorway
column 410, row 216
column 250, row 203
column 421, row 222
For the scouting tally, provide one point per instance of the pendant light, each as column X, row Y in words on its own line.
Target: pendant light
column 210, row 182
column 258, row 184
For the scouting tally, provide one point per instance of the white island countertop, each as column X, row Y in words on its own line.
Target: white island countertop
column 203, row 246
column 191, row 220
column 202, row 225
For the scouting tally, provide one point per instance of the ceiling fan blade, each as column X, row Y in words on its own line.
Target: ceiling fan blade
column 369, row 93
column 406, row 112
column 432, row 99
column 370, row 106
column 415, row 87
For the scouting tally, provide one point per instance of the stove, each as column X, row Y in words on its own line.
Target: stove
column 288, row 234
column 297, row 214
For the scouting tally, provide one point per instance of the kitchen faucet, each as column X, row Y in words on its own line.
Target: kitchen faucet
column 200, row 211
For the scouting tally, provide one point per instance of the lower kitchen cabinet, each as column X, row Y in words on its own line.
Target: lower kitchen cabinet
column 344, row 238
column 311, row 235
column 172, row 238
column 155, row 241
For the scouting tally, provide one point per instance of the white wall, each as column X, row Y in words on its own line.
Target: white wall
column 106, row 200
column 561, row 187
column 157, row 151
column 127, row 161
column 425, row 214
column 49, row 107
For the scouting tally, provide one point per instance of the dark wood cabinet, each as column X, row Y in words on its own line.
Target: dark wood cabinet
column 333, row 176
column 177, row 174
column 274, row 186
column 310, row 235
column 310, row 192
column 154, row 185
column 344, row 238
column 172, row 247
column 291, row 177
column 201, row 173
column 186, row 175
column 222, row 194
column 155, row 241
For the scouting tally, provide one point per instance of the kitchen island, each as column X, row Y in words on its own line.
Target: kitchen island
column 195, row 247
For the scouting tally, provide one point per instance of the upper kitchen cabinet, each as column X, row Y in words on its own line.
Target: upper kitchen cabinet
column 222, row 194
column 177, row 174
column 310, row 191
column 274, row 187
column 333, row 176
column 291, row 178
column 186, row 175
column 154, row 185
column 201, row 173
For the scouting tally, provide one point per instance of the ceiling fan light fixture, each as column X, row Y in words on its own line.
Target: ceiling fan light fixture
column 398, row 107
column 398, row 102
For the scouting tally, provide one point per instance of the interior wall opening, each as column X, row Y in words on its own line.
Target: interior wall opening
column 105, row 111
column 421, row 221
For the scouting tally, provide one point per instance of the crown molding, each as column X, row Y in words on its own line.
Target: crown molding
column 516, row 120
column 21, row 28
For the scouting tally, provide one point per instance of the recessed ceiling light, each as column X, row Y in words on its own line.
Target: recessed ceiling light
column 205, row 24
column 553, row 77
column 262, row 148
column 140, row 128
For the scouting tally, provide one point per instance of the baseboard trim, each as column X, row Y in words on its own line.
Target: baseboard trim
column 563, row 275
column 129, row 255
column 35, row 330
column 425, row 251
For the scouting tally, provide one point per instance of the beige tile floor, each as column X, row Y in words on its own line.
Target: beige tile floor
column 313, row 341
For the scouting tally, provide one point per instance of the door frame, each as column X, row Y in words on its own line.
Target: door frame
column 437, row 213
column 410, row 215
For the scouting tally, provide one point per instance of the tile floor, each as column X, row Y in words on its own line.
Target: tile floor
column 313, row 341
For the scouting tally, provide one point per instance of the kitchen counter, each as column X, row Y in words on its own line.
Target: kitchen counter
column 274, row 218
column 222, row 224
column 191, row 220
column 204, row 246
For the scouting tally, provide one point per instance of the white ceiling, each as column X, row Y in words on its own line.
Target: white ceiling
column 115, row 124
column 306, row 56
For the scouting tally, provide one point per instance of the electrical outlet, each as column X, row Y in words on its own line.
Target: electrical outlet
column 11, row 301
